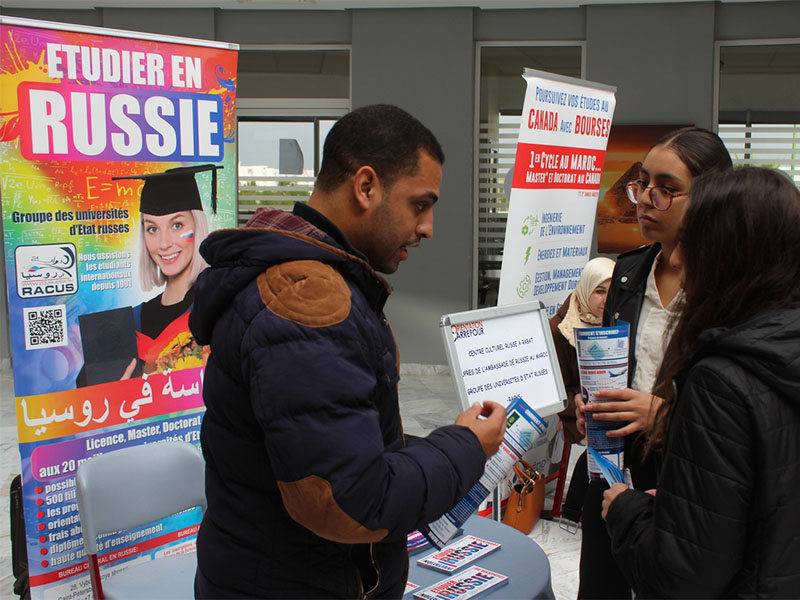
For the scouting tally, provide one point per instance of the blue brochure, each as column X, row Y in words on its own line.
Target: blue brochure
column 611, row 472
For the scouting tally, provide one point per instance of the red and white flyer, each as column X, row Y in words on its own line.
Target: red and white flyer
column 410, row 587
column 461, row 552
column 468, row 584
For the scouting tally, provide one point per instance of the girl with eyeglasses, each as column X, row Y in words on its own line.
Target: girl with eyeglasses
column 724, row 520
column 645, row 292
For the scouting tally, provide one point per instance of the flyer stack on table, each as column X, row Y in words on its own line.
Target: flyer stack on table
column 469, row 582
column 489, row 560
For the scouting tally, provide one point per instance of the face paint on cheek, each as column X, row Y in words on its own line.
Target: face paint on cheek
column 189, row 235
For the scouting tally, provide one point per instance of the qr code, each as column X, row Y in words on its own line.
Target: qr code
column 45, row 327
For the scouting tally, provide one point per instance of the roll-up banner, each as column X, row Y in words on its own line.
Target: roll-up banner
column 118, row 154
column 551, row 216
column 553, row 203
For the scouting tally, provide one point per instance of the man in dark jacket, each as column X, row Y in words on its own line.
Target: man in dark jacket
column 312, row 486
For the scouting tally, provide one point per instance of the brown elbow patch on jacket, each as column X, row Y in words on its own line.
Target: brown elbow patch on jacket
column 310, row 502
column 306, row 292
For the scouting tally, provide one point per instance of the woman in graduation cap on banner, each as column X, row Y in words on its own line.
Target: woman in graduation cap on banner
column 173, row 225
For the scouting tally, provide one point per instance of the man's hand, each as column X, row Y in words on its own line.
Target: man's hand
column 488, row 430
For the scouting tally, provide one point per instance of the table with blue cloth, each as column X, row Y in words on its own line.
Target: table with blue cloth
column 519, row 558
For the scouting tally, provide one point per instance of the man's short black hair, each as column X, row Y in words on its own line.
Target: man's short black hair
column 381, row 136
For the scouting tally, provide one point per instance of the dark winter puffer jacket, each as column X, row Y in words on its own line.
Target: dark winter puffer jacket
column 312, row 486
column 726, row 519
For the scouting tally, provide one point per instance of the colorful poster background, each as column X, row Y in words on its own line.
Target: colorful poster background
column 79, row 106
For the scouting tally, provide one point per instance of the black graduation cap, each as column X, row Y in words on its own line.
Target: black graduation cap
column 174, row 190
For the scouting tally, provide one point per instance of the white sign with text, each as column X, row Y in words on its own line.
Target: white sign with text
column 504, row 352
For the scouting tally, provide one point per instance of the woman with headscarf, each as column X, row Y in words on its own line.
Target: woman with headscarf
column 583, row 308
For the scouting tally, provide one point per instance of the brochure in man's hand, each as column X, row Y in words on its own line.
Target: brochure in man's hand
column 525, row 426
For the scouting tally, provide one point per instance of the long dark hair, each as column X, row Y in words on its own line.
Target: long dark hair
column 699, row 149
column 740, row 249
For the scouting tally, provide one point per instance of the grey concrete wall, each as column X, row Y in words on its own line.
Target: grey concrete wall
column 541, row 24
column 284, row 26
column 183, row 22
column 754, row 20
column 660, row 57
column 77, row 17
column 423, row 61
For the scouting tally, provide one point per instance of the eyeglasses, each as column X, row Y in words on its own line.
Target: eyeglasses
column 660, row 197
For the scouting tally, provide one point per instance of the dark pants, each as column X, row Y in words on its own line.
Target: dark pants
column 600, row 577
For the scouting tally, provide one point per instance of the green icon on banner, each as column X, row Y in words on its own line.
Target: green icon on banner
column 528, row 223
column 524, row 286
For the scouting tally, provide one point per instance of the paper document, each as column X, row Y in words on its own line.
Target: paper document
column 525, row 426
column 602, row 364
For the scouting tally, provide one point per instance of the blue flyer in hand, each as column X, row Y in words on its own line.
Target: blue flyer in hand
column 611, row 472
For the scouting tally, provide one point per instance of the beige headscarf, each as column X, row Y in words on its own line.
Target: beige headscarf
column 579, row 314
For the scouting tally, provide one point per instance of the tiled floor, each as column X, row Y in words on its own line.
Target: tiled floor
column 426, row 401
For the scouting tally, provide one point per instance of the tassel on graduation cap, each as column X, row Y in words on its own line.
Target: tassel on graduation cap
column 174, row 190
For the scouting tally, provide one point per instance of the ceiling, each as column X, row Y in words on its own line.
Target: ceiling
column 320, row 4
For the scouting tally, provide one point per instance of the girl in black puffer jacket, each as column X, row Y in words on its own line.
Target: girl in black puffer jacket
column 725, row 517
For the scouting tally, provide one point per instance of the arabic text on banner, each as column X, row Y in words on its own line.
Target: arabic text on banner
column 80, row 106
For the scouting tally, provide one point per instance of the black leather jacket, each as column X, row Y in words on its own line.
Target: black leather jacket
column 626, row 294
column 624, row 303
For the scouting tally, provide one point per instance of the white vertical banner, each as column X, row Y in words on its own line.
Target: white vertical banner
column 551, row 217
column 561, row 148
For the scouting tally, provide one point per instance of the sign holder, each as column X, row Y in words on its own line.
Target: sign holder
column 500, row 353
column 497, row 352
